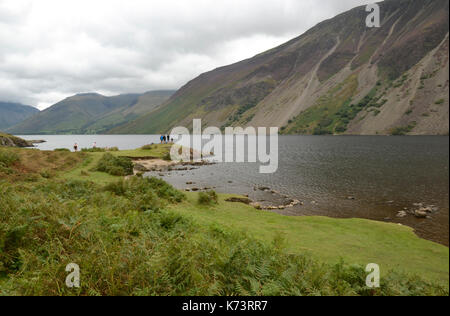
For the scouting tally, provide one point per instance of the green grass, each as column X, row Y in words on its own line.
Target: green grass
column 92, row 159
column 354, row 240
column 127, row 242
column 143, row 237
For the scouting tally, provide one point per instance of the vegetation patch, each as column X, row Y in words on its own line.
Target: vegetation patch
column 403, row 130
column 20, row 164
column 116, row 166
column 333, row 113
column 208, row 198
column 129, row 244
column 322, row 118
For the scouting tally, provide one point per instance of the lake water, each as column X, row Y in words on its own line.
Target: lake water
column 384, row 175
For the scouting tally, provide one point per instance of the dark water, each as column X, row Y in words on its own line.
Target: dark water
column 384, row 174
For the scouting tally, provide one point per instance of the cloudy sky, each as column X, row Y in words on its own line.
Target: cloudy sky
column 52, row 49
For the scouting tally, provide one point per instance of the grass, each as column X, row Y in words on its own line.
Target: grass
column 92, row 159
column 127, row 241
column 143, row 237
column 329, row 240
column 28, row 164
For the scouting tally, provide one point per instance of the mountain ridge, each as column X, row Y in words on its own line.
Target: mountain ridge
column 339, row 77
column 13, row 113
column 90, row 113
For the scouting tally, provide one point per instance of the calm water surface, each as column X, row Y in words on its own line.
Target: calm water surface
column 383, row 174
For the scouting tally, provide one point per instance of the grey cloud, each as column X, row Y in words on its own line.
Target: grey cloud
column 51, row 49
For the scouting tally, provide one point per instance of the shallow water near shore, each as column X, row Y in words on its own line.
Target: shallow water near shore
column 350, row 176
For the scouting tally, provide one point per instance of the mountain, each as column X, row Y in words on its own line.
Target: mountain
column 90, row 113
column 14, row 113
column 339, row 77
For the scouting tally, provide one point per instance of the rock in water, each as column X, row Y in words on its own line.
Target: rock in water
column 420, row 214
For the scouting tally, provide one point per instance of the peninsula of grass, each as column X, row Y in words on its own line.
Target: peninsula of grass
column 143, row 237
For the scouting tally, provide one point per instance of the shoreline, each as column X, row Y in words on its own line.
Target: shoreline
column 325, row 239
column 264, row 198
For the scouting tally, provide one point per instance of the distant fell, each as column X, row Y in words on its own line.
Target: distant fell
column 14, row 113
column 90, row 113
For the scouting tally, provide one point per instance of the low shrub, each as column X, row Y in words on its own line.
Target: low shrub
column 208, row 198
column 145, row 190
column 116, row 166
column 62, row 150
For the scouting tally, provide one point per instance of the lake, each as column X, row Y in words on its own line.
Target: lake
column 383, row 175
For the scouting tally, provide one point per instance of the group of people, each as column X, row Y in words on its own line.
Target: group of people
column 166, row 139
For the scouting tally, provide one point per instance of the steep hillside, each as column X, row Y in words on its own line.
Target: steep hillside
column 90, row 113
column 13, row 113
column 339, row 77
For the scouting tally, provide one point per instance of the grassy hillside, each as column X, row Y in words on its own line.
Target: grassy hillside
column 13, row 113
column 290, row 85
column 90, row 113
column 142, row 237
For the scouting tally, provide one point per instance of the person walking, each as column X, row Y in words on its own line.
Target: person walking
column 75, row 147
column 162, row 139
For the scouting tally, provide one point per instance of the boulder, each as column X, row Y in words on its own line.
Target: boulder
column 420, row 214
column 402, row 214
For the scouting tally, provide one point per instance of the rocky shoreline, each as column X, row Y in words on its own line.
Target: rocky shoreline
column 265, row 198
column 144, row 165
column 419, row 210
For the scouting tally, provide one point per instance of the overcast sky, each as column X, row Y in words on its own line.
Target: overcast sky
column 52, row 49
